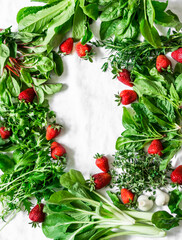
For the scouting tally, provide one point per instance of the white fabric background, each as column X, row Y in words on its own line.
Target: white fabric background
column 86, row 108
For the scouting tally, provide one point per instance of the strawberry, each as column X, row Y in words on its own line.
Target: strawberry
column 102, row 163
column 67, row 46
column 27, row 95
column 53, row 131
column 177, row 55
column 126, row 196
column 57, row 151
column 124, row 77
column 54, row 145
column 84, row 51
column 36, row 215
column 176, row 175
column 101, row 180
column 126, row 97
column 155, row 147
column 5, row 133
column 162, row 63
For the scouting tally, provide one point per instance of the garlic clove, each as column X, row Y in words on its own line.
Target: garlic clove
column 144, row 204
column 160, row 200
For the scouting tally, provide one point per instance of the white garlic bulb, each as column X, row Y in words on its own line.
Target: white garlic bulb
column 144, row 203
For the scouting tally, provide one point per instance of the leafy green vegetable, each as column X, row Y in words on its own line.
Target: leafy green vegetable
column 77, row 213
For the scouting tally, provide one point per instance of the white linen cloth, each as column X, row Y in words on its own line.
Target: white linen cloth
column 88, row 112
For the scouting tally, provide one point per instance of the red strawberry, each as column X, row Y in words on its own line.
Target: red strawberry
column 162, row 62
column 83, row 50
column 67, row 46
column 36, row 214
column 177, row 55
column 102, row 163
column 57, row 151
column 127, row 96
column 27, row 95
column 155, row 147
column 101, row 180
column 126, row 196
column 176, row 175
column 53, row 131
column 5, row 133
column 124, row 77
column 54, row 145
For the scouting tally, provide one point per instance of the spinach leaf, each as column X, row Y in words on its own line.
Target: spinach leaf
column 107, row 29
column 79, row 23
column 13, row 86
column 58, row 64
column 113, row 11
column 88, row 35
column 127, row 120
column 164, row 220
column 51, row 88
column 4, row 54
column 150, row 33
column 175, row 199
column 150, row 12
column 72, row 177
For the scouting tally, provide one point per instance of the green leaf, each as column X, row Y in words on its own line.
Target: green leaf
column 116, row 200
column 127, row 120
column 129, row 144
column 62, row 196
column 175, row 23
column 150, row 33
column 160, row 6
column 173, row 93
column 91, row 10
column 58, row 64
column 56, row 225
column 175, row 200
column 79, row 23
column 40, row 94
column 51, row 88
column 6, row 97
column 150, row 13
column 68, row 179
column 178, row 68
column 4, row 54
column 107, row 29
column 148, row 87
column 113, row 11
column 26, row 77
column 45, row 65
column 13, row 86
column 164, row 220
column 88, row 35
column 6, row 163
column 37, row 22
column 178, row 85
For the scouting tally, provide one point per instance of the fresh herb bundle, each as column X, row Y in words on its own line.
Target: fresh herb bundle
column 132, row 54
column 77, row 213
column 29, row 171
column 126, row 19
column 138, row 171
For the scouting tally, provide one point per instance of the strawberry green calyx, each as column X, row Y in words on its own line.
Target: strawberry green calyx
column 98, row 156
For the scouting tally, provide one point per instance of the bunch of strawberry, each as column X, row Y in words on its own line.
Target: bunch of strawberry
column 83, row 51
